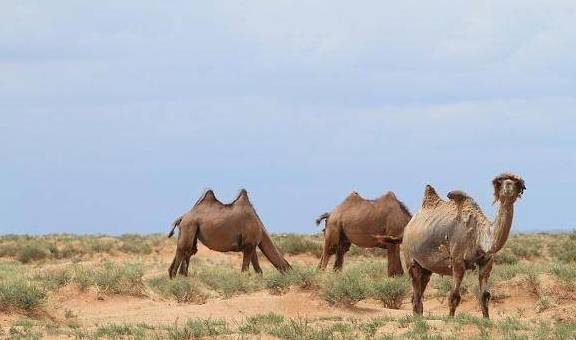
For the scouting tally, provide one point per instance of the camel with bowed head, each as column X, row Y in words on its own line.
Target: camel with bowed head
column 450, row 237
column 224, row 227
column 366, row 223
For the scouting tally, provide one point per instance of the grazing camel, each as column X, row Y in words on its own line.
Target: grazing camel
column 450, row 237
column 367, row 224
column 224, row 227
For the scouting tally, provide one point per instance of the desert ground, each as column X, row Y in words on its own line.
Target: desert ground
column 71, row 286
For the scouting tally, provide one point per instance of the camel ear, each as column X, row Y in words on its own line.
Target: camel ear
column 520, row 185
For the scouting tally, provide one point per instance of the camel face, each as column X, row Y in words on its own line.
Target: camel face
column 508, row 188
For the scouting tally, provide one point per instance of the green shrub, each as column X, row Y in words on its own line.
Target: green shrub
column 565, row 272
column 391, row 291
column 442, row 284
column 53, row 279
column 112, row 278
column 135, row 248
column 32, row 252
column 115, row 331
column 505, row 257
column 524, row 246
column 297, row 244
column 198, row 328
column 565, row 250
column 183, row 289
column 21, row 295
column 303, row 277
column 227, row 281
column 256, row 324
column 8, row 249
column 346, row 288
column 99, row 246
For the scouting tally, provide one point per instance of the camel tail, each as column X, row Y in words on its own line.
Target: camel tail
column 324, row 216
column 174, row 225
column 272, row 253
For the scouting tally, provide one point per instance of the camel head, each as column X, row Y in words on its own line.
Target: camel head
column 508, row 188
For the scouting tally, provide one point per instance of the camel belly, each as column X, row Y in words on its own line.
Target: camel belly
column 426, row 242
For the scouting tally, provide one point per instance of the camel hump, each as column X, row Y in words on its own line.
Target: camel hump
column 431, row 198
column 391, row 194
column 242, row 197
column 353, row 196
column 207, row 197
column 458, row 196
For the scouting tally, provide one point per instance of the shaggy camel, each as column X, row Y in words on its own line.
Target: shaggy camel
column 367, row 224
column 224, row 227
column 450, row 237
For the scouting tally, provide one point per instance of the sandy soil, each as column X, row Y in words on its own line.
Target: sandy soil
column 93, row 309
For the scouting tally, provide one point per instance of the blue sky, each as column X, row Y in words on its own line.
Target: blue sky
column 114, row 117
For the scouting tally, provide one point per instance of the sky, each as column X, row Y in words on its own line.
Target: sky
column 116, row 116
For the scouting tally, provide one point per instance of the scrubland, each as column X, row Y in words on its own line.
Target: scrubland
column 71, row 286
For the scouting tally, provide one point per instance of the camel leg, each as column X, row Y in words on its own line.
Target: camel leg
column 331, row 241
column 420, row 278
column 247, row 252
column 184, row 249
column 343, row 247
column 255, row 262
column 394, row 263
column 457, row 276
column 483, row 275
column 186, row 262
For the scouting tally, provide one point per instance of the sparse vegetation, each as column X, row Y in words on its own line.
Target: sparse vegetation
column 34, row 269
column 111, row 278
column 296, row 244
column 20, row 295
column 183, row 289
column 391, row 291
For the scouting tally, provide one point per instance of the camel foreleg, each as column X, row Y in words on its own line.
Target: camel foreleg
column 484, row 270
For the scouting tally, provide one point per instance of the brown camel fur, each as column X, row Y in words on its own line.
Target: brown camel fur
column 367, row 224
column 224, row 227
column 450, row 237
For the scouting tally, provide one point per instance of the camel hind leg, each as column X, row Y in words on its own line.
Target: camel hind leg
column 394, row 263
column 343, row 247
column 247, row 252
column 186, row 262
column 185, row 248
column 420, row 278
column 457, row 276
column 331, row 241
column 255, row 262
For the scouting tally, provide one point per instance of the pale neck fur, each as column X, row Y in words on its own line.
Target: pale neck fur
column 494, row 235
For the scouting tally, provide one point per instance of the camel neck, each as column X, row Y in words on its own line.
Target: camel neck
column 500, row 228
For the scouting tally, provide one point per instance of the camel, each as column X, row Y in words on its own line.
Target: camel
column 367, row 224
column 451, row 237
column 224, row 227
